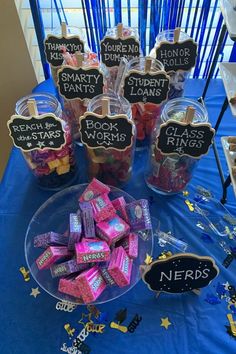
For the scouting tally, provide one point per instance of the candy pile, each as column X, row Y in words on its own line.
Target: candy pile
column 53, row 168
column 99, row 249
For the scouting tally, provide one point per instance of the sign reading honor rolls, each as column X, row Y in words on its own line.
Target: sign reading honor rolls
column 177, row 55
column 37, row 133
column 109, row 132
column 185, row 139
column 80, row 83
column 113, row 49
column 146, row 87
column 180, row 273
column 53, row 51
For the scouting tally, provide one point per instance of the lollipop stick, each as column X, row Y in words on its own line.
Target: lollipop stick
column 32, row 107
column 189, row 114
column 105, row 106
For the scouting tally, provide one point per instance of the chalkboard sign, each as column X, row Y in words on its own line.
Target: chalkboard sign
column 146, row 87
column 177, row 55
column 180, row 273
column 109, row 132
column 37, row 133
column 80, row 83
column 185, row 139
column 113, row 49
column 53, row 44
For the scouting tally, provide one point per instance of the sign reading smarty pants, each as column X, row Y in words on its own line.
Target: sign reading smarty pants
column 177, row 55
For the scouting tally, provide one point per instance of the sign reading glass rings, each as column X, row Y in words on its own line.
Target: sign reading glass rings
column 149, row 87
column 37, row 133
column 109, row 132
column 53, row 45
column 113, row 49
column 80, row 83
column 181, row 138
column 177, row 55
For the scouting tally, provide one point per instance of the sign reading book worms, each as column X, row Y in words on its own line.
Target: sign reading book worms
column 37, row 133
column 146, row 87
column 109, row 132
column 193, row 140
column 53, row 48
column 180, row 273
column 113, row 49
column 80, row 83
column 177, row 55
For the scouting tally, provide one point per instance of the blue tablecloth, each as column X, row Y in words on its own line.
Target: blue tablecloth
column 34, row 325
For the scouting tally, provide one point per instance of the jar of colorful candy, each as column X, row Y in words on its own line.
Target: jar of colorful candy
column 170, row 174
column 145, row 115
column 111, row 166
column 178, row 78
column 53, row 169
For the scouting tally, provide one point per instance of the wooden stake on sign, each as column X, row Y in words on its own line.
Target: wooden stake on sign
column 189, row 114
column 105, row 106
column 32, row 107
column 177, row 34
column 64, row 29
column 120, row 30
column 79, row 58
column 148, row 64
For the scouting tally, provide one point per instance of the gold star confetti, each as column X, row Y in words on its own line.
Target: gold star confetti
column 148, row 259
column 84, row 316
column 185, row 193
column 35, row 292
column 165, row 322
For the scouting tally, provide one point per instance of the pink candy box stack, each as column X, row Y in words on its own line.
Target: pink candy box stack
column 92, row 251
column 51, row 255
column 120, row 267
column 102, row 208
column 112, row 230
column 94, row 189
column 91, row 284
column 130, row 245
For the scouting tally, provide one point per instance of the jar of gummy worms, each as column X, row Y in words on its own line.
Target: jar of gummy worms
column 178, row 78
column 170, row 174
column 124, row 32
column 53, row 169
column 111, row 166
column 145, row 115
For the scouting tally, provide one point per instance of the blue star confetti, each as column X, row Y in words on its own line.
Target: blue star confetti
column 220, row 290
column 212, row 299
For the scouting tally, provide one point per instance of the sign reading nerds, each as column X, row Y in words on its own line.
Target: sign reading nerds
column 177, row 55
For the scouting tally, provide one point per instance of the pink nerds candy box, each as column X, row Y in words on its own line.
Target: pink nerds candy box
column 120, row 267
column 112, row 230
column 69, row 286
column 119, row 204
column 130, row 245
column 92, row 251
column 75, row 230
column 102, row 208
column 94, row 189
column 51, row 255
column 91, row 284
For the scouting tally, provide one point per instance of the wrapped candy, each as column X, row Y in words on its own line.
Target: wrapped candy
column 51, row 255
column 120, row 267
column 92, row 251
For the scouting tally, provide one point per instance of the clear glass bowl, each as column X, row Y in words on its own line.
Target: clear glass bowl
column 53, row 215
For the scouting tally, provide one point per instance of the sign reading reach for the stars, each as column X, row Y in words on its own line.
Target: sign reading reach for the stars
column 179, row 273
column 37, row 133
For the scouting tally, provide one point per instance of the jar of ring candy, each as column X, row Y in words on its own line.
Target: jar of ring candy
column 76, row 107
column 113, row 32
column 111, row 166
column 178, row 78
column 53, row 169
column 145, row 115
column 170, row 174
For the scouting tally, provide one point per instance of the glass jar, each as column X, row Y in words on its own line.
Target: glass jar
column 177, row 79
column 145, row 115
column 53, row 169
column 113, row 32
column 71, row 31
column 111, row 166
column 170, row 174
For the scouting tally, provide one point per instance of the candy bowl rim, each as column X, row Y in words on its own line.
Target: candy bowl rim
column 33, row 220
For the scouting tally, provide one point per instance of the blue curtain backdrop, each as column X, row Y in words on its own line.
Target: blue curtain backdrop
column 201, row 19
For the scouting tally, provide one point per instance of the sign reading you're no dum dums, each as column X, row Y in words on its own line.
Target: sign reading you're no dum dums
column 177, row 55
column 191, row 139
column 53, row 48
column 80, row 83
column 146, row 87
column 109, row 132
column 37, row 133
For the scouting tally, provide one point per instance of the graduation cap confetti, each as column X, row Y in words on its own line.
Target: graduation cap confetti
column 70, row 331
column 120, row 318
